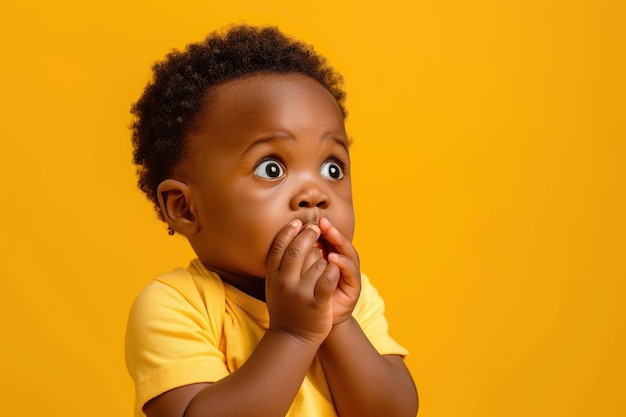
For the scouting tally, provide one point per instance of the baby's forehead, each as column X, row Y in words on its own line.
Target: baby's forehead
column 267, row 98
column 262, row 84
column 263, row 108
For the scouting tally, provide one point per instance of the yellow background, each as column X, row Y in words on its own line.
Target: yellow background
column 489, row 182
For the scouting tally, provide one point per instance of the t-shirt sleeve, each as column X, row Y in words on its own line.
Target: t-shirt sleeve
column 171, row 341
column 370, row 314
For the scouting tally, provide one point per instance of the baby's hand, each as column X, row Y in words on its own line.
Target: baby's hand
column 347, row 259
column 300, row 284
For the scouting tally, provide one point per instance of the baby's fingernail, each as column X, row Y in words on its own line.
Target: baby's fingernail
column 296, row 224
column 313, row 227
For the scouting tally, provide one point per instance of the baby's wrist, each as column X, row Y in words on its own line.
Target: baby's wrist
column 341, row 323
column 341, row 335
column 308, row 340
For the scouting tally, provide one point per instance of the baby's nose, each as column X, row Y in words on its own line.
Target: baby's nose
column 309, row 196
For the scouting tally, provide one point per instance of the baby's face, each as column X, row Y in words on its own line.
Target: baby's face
column 267, row 149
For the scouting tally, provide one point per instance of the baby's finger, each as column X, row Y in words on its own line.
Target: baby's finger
column 280, row 244
column 312, row 257
column 294, row 256
column 349, row 270
column 327, row 283
column 339, row 241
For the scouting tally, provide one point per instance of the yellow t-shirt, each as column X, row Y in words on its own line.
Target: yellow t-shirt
column 187, row 326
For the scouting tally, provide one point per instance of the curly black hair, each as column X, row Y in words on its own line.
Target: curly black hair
column 169, row 105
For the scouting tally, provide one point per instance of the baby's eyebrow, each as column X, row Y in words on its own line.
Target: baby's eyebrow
column 344, row 142
column 338, row 139
column 267, row 139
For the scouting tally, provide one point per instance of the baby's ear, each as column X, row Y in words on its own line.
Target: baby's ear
column 175, row 202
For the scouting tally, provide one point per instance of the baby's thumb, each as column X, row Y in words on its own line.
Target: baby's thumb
column 327, row 283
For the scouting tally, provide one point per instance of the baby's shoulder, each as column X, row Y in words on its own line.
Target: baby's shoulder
column 183, row 290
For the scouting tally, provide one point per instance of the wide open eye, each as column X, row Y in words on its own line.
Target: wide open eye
column 269, row 169
column 331, row 169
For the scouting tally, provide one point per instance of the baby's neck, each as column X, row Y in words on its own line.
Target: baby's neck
column 253, row 286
